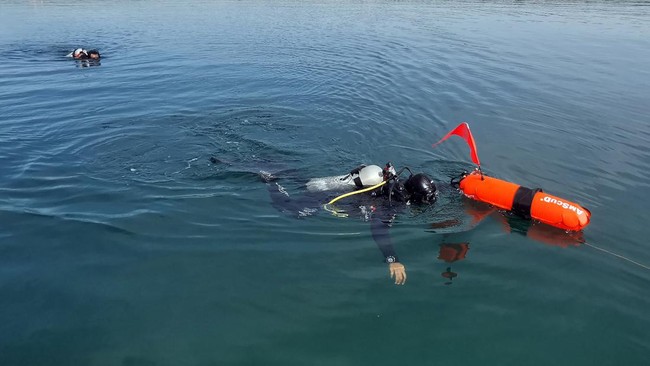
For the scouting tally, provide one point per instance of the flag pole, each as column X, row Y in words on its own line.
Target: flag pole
column 463, row 131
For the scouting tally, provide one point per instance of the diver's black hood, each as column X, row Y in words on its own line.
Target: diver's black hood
column 420, row 188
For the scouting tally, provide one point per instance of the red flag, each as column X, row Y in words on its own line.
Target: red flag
column 463, row 131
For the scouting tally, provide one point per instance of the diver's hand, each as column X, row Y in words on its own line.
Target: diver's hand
column 398, row 272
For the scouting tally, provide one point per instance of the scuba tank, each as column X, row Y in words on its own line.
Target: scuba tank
column 359, row 177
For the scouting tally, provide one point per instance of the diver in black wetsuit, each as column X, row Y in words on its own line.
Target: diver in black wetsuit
column 82, row 54
column 387, row 195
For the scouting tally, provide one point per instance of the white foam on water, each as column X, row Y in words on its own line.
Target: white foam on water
column 330, row 183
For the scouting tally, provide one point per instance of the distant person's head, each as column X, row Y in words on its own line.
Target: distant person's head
column 93, row 54
column 80, row 54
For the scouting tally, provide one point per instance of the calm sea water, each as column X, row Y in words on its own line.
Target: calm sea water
column 121, row 243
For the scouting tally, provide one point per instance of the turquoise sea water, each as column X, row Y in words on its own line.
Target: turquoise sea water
column 121, row 243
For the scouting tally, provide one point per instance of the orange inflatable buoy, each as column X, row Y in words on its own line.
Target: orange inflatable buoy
column 525, row 202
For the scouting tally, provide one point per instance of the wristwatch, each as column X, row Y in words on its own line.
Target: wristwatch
column 391, row 259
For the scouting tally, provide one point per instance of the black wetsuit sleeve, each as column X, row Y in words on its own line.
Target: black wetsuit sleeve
column 380, row 234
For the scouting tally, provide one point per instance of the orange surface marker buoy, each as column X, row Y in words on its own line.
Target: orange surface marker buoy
column 522, row 201
column 525, row 202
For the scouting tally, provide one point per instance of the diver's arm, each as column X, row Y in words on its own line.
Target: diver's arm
column 379, row 229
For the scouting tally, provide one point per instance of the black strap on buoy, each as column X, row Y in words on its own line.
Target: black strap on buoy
column 523, row 201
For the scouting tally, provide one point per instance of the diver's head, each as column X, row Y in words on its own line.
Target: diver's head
column 421, row 189
column 93, row 54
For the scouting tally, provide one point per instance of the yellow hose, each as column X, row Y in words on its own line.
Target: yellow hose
column 356, row 192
